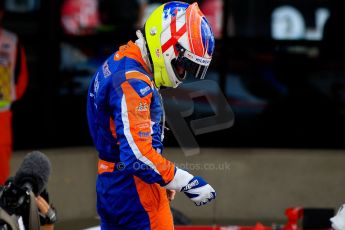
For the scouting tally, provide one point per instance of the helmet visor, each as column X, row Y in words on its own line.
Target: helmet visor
column 193, row 64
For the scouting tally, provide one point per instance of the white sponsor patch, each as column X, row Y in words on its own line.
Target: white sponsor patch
column 106, row 71
column 145, row 90
column 191, row 185
column 197, row 59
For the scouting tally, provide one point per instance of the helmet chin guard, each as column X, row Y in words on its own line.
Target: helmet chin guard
column 180, row 41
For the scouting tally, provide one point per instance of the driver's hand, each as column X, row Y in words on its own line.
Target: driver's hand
column 171, row 194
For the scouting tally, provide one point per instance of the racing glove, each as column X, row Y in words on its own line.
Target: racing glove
column 194, row 187
column 338, row 221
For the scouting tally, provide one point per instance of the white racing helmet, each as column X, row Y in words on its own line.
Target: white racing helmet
column 178, row 34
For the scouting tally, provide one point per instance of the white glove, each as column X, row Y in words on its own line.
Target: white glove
column 199, row 191
column 338, row 221
column 195, row 188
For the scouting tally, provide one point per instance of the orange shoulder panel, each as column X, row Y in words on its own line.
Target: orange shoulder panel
column 131, row 50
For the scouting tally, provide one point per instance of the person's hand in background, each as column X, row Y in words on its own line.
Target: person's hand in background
column 42, row 205
column 47, row 214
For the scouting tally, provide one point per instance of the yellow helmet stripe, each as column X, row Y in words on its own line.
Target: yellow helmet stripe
column 153, row 29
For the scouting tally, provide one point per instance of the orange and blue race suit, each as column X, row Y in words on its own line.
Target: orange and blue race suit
column 13, row 83
column 125, row 117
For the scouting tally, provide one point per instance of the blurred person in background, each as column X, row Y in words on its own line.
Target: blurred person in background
column 128, row 17
column 126, row 119
column 79, row 17
column 13, row 83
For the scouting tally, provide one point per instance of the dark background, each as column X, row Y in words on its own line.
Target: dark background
column 287, row 93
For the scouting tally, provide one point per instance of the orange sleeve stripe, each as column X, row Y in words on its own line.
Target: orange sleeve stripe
column 138, row 118
column 140, row 129
column 165, row 168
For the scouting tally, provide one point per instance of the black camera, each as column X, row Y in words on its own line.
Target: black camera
column 14, row 203
column 13, row 199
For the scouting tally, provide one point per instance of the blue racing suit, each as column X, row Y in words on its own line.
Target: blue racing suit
column 125, row 117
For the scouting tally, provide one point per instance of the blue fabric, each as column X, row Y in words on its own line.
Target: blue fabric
column 118, row 202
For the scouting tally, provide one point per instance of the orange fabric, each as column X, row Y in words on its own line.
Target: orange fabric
column 138, row 110
column 155, row 202
column 105, row 166
column 5, row 144
column 138, row 75
column 6, row 128
column 131, row 50
column 165, row 168
column 112, row 127
column 5, row 160
column 22, row 82
column 194, row 25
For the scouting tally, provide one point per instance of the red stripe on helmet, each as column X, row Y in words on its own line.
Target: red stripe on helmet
column 175, row 35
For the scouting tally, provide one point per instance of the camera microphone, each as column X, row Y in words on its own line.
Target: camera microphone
column 34, row 172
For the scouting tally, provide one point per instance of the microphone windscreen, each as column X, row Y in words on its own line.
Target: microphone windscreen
column 35, row 171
